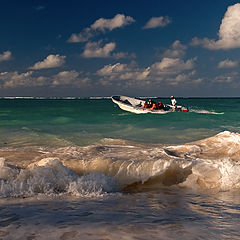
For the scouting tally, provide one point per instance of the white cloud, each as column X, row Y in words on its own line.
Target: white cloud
column 172, row 71
column 120, row 71
column 229, row 32
column 171, row 66
column 227, row 64
column 156, row 22
column 176, row 50
column 72, row 78
column 184, row 77
column 30, row 79
column 98, row 50
column 15, row 79
column 228, row 78
column 94, row 50
column 120, row 20
column 101, row 25
column 50, row 61
column 83, row 36
column 5, row 56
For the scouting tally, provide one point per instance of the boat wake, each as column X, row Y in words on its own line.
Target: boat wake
column 205, row 112
column 118, row 165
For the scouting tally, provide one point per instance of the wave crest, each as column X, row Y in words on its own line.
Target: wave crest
column 114, row 165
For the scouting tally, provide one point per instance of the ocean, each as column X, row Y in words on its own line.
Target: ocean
column 85, row 169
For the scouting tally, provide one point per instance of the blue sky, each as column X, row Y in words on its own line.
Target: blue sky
column 138, row 48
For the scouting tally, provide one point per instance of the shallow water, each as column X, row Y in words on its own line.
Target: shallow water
column 84, row 169
column 166, row 214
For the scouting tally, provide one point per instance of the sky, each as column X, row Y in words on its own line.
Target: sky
column 136, row 48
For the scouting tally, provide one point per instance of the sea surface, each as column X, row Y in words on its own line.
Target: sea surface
column 85, row 169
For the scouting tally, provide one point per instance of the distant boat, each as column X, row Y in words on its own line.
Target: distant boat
column 134, row 105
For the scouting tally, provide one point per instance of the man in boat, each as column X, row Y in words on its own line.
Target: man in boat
column 174, row 103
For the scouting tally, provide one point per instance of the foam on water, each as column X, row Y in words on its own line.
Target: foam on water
column 50, row 177
column 205, row 111
column 115, row 165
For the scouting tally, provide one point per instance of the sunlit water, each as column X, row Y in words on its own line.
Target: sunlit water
column 84, row 169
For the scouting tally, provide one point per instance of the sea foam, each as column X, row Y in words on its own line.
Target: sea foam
column 50, row 177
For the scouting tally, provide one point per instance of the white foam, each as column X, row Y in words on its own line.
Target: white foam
column 205, row 112
column 50, row 177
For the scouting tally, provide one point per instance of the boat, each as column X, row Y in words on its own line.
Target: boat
column 135, row 105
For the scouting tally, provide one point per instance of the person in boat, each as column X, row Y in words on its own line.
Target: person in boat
column 154, row 106
column 174, row 103
column 160, row 105
column 148, row 104
column 145, row 105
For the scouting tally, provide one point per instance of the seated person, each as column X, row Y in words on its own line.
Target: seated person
column 154, row 106
column 146, row 105
column 150, row 103
column 160, row 105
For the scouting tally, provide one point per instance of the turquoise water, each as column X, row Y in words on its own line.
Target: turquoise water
column 85, row 169
column 62, row 122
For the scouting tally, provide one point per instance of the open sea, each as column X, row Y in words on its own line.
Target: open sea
column 85, row 169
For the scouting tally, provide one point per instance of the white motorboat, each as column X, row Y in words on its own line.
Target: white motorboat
column 135, row 105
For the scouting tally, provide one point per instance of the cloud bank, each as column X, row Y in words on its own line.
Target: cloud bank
column 229, row 32
column 101, row 25
column 30, row 79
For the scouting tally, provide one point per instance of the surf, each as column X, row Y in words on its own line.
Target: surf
column 117, row 166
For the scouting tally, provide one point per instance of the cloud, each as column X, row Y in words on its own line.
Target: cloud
column 29, row 79
column 170, row 70
column 5, row 56
column 120, row 55
column 72, row 78
column 229, row 78
column 176, row 50
column 184, row 78
column 156, row 22
column 120, row 20
column 101, row 25
column 169, row 66
column 15, row 79
column 51, row 61
column 229, row 32
column 94, row 50
column 98, row 50
column 124, row 72
column 227, row 64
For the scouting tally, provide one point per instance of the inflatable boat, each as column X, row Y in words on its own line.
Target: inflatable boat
column 135, row 105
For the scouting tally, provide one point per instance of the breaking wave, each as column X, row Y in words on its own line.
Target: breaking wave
column 117, row 165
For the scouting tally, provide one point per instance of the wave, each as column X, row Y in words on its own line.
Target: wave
column 117, row 165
